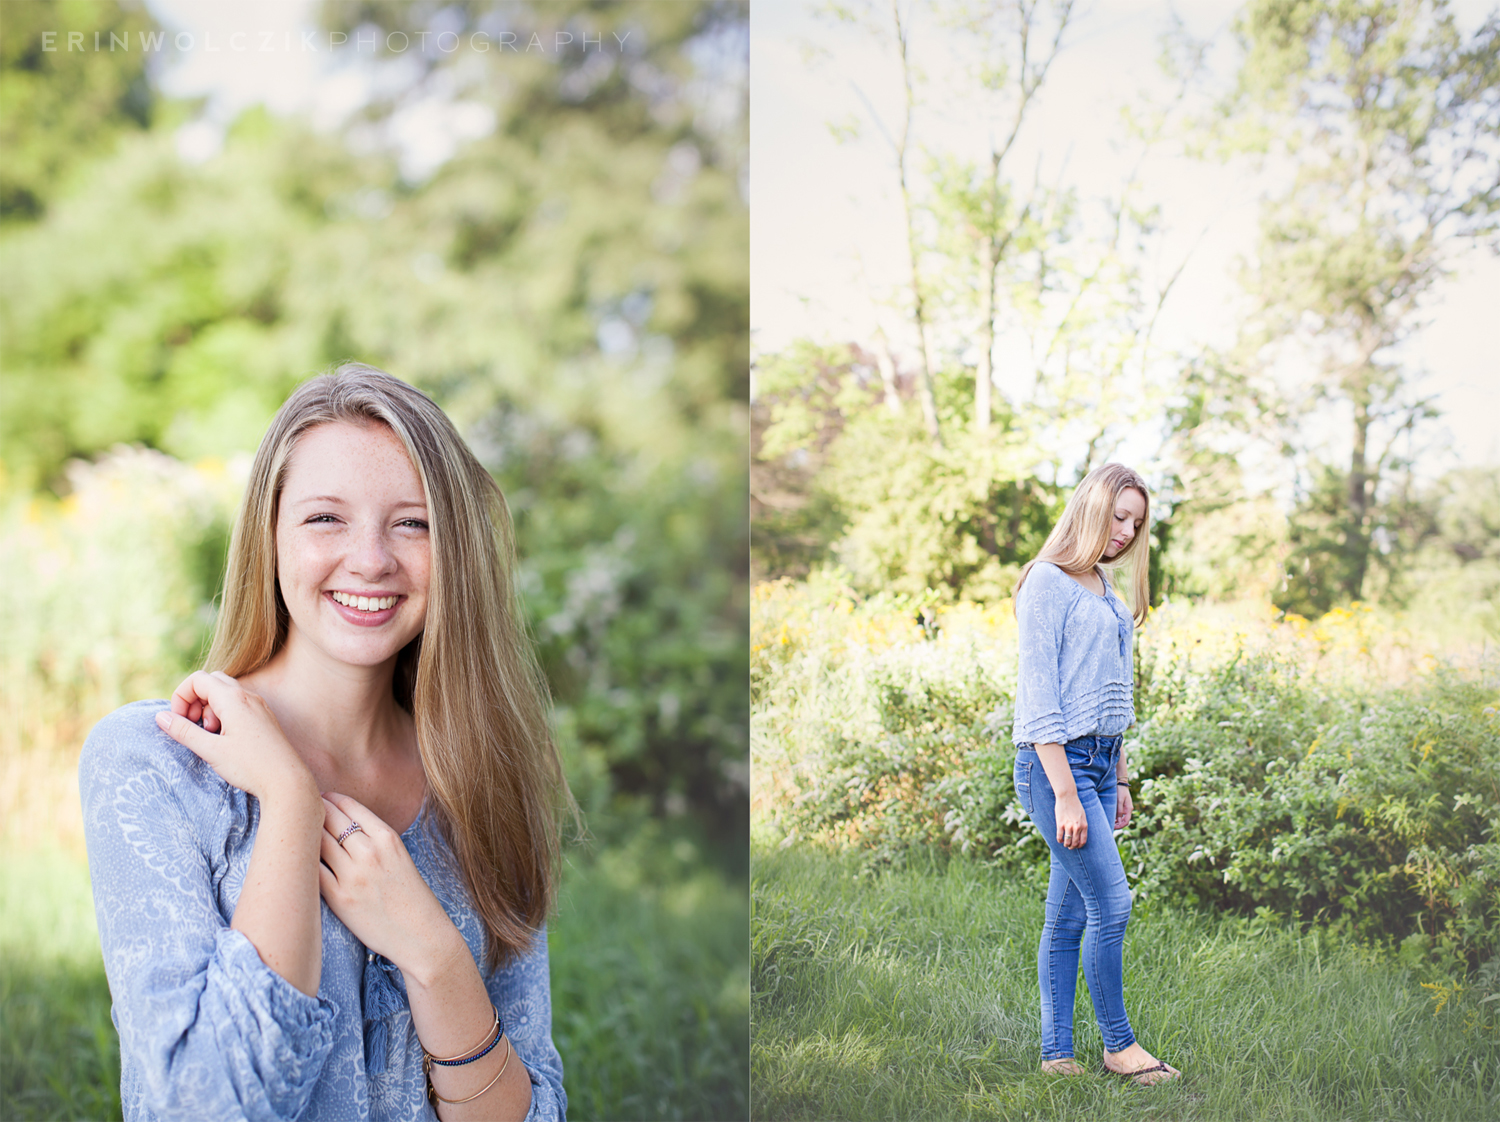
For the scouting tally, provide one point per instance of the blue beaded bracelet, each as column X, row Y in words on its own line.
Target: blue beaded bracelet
column 496, row 1028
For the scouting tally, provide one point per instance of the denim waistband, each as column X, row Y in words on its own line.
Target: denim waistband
column 1108, row 743
column 1090, row 743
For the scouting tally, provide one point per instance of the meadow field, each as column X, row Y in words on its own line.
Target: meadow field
column 912, row 994
column 1314, row 861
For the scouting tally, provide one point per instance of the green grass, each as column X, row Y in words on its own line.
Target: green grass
column 59, row 1057
column 649, row 988
column 650, row 984
column 913, row 995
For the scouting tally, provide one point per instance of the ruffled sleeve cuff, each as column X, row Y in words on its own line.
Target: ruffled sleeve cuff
column 289, row 1033
column 1047, row 728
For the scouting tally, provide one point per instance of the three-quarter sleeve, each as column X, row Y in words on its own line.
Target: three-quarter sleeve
column 209, row 1030
column 522, row 991
column 1041, row 613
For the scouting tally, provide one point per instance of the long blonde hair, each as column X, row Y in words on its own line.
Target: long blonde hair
column 1076, row 544
column 470, row 680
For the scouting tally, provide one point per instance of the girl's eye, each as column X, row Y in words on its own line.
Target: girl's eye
column 321, row 518
column 413, row 523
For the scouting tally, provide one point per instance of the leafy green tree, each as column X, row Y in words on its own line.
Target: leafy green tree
column 992, row 219
column 900, row 513
column 958, row 504
column 891, row 25
column 796, row 413
column 61, row 108
column 1390, row 116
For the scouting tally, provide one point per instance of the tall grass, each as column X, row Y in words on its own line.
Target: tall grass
column 913, row 994
column 650, row 984
column 59, row 1056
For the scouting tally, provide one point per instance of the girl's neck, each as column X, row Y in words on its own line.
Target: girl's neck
column 342, row 714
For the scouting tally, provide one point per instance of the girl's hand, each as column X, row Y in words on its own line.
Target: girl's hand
column 1124, row 807
column 1072, row 823
column 372, row 885
column 240, row 738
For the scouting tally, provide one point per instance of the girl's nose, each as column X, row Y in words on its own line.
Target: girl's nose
column 371, row 555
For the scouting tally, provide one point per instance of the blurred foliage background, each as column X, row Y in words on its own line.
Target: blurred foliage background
column 570, row 283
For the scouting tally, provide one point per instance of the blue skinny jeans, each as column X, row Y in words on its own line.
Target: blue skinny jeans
column 1088, row 901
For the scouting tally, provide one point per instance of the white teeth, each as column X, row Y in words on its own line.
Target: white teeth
column 365, row 603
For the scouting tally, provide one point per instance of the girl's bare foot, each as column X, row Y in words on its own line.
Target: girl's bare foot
column 1135, row 1058
column 1066, row 1066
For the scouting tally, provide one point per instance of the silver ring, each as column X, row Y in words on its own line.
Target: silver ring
column 353, row 827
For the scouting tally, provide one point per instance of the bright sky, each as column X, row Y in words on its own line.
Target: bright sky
column 238, row 53
column 828, row 252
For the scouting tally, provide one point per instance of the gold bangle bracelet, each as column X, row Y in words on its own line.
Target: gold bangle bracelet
column 509, row 1052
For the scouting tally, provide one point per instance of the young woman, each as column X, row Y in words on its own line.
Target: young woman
column 321, row 870
column 1073, row 703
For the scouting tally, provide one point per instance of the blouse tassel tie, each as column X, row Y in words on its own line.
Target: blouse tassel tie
column 381, row 1000
column 1123, row 622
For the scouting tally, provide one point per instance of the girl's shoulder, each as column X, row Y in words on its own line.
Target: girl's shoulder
column 1045, row 578
column 128, row 748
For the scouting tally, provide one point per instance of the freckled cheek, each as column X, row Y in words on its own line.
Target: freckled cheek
column 417, row 565
column 302, row 568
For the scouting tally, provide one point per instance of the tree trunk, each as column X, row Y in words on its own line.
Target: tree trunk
column 1357, row 531
column 919, row 308
column 985, row 380
column 887, row 365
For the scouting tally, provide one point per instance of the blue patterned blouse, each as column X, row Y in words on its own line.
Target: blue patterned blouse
column 1075, row 677
column 207, row 1030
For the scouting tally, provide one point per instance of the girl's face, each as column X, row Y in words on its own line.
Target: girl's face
column 353, row 558
column 1130, row 512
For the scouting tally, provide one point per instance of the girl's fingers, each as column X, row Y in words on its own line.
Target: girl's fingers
column 190, row 736
column 336, row 822
column 201, row 688
column 353, row 810
column 191, row 698
column 334, row 819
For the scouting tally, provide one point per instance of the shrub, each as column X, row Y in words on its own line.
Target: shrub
column 1275, row 777
column 1378, row 811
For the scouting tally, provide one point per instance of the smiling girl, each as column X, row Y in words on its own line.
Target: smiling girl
column 1073, row 705
column 321, row 870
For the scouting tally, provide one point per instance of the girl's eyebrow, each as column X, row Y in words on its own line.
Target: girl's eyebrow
column 342, row 502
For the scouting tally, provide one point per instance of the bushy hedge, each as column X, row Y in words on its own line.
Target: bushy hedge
column 1377, row 811
column 1261, row 789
